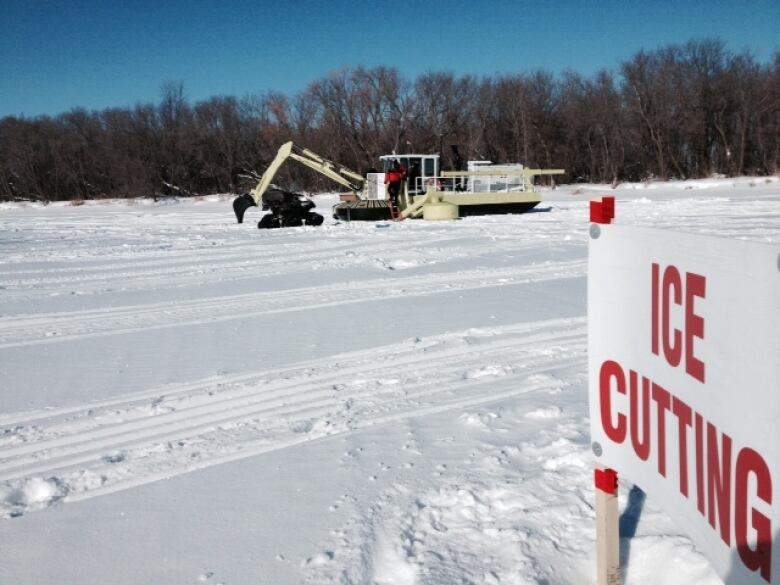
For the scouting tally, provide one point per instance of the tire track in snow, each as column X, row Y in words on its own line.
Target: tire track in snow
column 211, row 423
column 248, row 390
column 350, row 362
column 69, row 326
column 182, row 269
column 257, row 253
column 71, row 237
column 159, row 255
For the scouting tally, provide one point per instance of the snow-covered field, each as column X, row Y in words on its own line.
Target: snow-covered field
column 393, row 403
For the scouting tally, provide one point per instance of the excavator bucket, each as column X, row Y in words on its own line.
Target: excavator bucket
column 241, row 204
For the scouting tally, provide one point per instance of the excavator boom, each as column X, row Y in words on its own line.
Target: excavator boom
column 334, row 171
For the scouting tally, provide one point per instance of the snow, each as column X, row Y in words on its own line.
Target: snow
column 187, row 400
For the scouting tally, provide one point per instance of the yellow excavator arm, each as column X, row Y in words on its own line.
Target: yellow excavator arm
column 334, row 171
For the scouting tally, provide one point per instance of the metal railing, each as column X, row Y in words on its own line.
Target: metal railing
column 470, row 184
column 476, row 182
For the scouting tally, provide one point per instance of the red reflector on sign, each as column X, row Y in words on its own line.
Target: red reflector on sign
column 596, row 212
column 602, row 211
column 608, row 208
column 607, row 480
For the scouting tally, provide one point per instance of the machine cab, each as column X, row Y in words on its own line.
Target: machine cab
column 420, row 168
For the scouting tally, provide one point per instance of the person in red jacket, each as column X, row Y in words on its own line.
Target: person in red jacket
column 393, row 179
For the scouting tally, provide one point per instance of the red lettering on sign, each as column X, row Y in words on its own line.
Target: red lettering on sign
column 672, row 284
column 719, row 482
column 760, row 558
column 663, row 400
column 666, row 291
column 695, row 286
column 683, row 413
column 655, row 275
column 734, row 494
column 699, row 463
column 609, row 370
column 641, row 445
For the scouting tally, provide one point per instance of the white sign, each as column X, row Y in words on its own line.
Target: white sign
column 684, row 360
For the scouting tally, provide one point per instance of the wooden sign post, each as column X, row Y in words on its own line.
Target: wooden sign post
column 607, row 529
column 606, row 480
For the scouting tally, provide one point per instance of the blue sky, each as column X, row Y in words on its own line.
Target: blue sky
column 96, row 54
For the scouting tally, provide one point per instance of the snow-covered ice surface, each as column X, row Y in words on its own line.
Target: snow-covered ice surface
column 358, row 403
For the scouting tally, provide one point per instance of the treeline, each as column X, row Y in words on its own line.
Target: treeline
column 683, row 111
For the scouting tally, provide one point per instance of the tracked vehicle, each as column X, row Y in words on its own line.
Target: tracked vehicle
column 481, row 189
column 427, row 192
column 292, row 209
column 287, row 210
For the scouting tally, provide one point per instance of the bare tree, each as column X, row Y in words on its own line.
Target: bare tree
column 679, row 111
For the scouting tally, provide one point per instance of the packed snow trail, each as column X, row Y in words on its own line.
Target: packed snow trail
column 132, row 440
column 59, row 327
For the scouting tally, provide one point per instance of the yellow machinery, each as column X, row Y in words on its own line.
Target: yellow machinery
column 453, row 194
column 290, row 209
column 463, row 193
column 427, row 192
